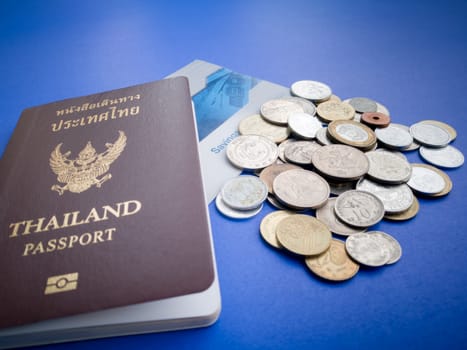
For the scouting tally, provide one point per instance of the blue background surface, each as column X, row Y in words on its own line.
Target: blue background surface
column 410, row 56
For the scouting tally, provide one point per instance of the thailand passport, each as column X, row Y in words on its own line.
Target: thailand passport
column 104, row 228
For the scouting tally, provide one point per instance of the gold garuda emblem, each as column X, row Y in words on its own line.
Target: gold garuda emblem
column 82, row 173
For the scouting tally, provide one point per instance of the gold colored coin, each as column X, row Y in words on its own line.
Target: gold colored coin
column 334, row 110
column 257, row 125
column 269, row 224
column 335, row 98
column 406, row 214
column 332, row 98
column 303, row 234
column 334, row 264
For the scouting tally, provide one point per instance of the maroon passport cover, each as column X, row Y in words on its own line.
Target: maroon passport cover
column 102, row 204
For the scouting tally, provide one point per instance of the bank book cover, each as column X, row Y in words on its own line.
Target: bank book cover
column 102, row 205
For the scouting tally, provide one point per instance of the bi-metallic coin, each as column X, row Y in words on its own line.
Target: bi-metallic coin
column 430, row 135
column 406, row 214
column 352, row 133
column 426, row 179
column 450, row 130
column 395, row 198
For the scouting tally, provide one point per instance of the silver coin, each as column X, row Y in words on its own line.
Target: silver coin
column 363, row 104
column 235, row 214
column 373, row 148
column 380, row 108
column 430, row 135
column 257, row 125
column 301, row 189
column 307, row 106
column 414, row 145
column 357, row 117
column 352, row 132
column 244, row 192
column 311, row 90
column 359, row 208
column 367, row 249
column 278, row 111
column 252, row 152
column 304, row 125
column 394, row 137
column 322, row 137
column 300, row 152
column 395, row 198
column 327, row 215
column 340, row 162
column 396, row 153
column 395, row 249
column 388, row 168
column 446, row 157
column 425, row 181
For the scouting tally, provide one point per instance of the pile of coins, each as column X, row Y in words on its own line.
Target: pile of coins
column 334, row 167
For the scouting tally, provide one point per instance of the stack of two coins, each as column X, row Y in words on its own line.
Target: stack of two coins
column 242, row 197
